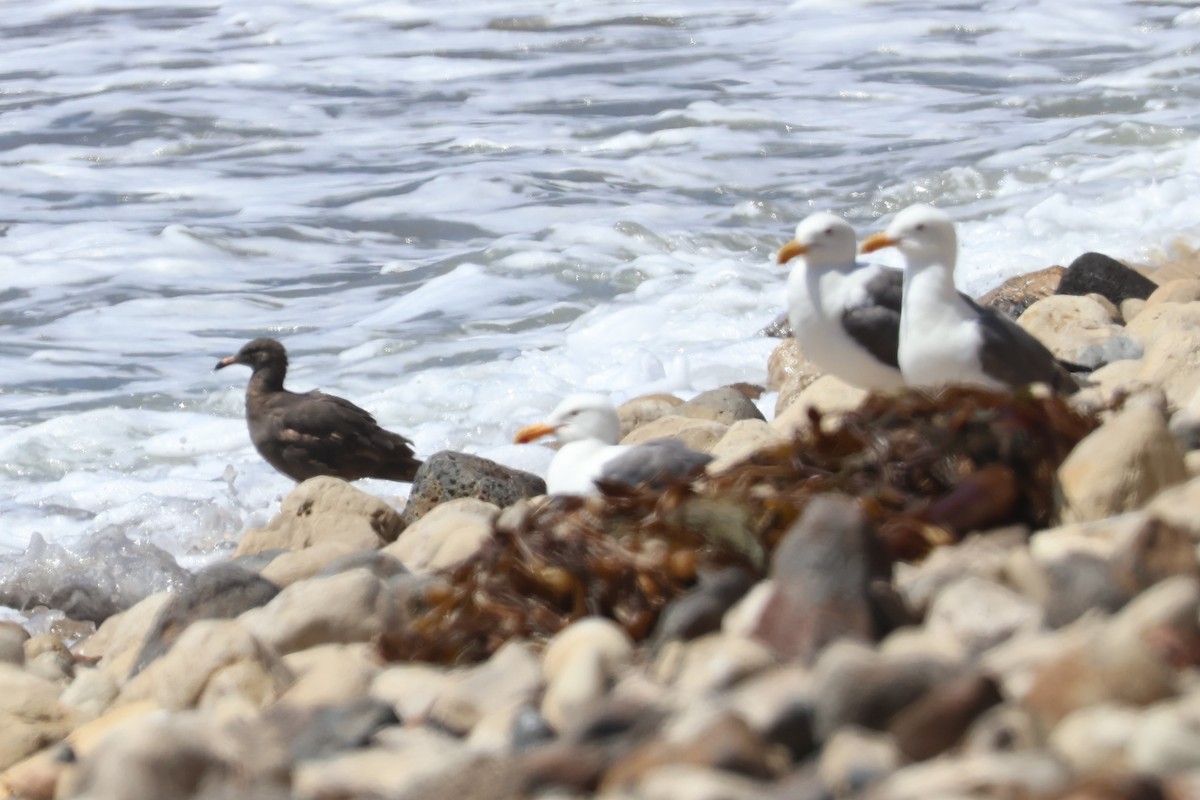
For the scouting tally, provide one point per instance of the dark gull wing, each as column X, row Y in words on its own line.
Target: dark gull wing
column 874, row 323
column 1012, row 355
column 656, row 463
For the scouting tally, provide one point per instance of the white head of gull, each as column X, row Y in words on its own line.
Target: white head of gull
column 588, row 427
column 945, row 337
column 844, row 313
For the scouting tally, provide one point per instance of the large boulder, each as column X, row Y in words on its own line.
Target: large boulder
column 1099, row 274
column 447, row 475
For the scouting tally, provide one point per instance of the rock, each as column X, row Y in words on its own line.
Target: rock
column 1133, row 659
column 1180, row 290
column 579, row 665
column 1007, row 775
column 291, row 566
column 855, row 759
column 323, row 731
column 411, row 689
column 778, row 703
column 1116, row 786
column 697, row 783
column 743, row 439
column 1131, row 308
column 778, row 328
column 1185, row 423
column 981, row 614
column 726, row 405
column 1162, row 320
column 821, row 571
column 348, row 607
column 325, row 509
column 119, row 640
column 1095, row 272
column 698, row 434
column 220, row 591
column 12, row 643
column 828, row 395
column 403, row 760
column 447, row 475
column 790, row 372
column 1178, row 507
column 854, row 685
column 1095, row 738
column 1078, row 329
column 511, row 677
column 701, row 609
column 330, row 675
column 180, row 678
column 1166, row 740
column 91, row 693
column 447, row 535
column 637, row 412
column 31, row 716
column 982, row 555
column 1119, row 466
column 935, row 722
column 1018, row 293
column 1172, row 363
column 711, row 663
column 185, row 756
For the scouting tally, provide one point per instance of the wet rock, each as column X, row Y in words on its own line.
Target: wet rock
column 1095, row 738
column 1095, row 272
column 698, row 434
column 325, row 509
column 701, row 609
column 31, row 716
column 181, row 677
column 822, row 570
column 1071, row 326
column 185, row 756
column 740, row 441
column 348, row 607
column 828, row 395
column 1119, row 466
column 321, row 732
column 854, row 685
column 789, row 372
column 445, row 536
column 579, row 665
column 1180, row 290
column 511, row 677
column 778, row 328
column 1018, row 293
column 726, row 405
column 981, row 614
column 637, row 412
column 219, row 591
column 855, row 759
column 936, row 722
column 12, row 643
column 447, row 475
column 330, row 675
column 1134, row 658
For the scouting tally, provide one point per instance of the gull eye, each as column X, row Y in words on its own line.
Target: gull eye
column 921, row 227
column 829, row 231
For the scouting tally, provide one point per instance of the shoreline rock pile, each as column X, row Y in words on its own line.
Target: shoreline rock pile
column 959, row 595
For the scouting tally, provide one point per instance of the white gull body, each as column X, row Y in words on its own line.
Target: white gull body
column 945, row 337
column 844, row 313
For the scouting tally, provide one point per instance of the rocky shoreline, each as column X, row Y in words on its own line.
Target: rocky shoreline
column 889, row 596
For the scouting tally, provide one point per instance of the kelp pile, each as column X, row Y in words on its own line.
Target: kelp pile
column 926, row 468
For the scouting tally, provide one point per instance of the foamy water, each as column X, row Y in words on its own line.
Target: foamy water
column 456, row 213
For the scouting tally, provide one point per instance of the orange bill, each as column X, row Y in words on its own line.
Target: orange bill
column 790, row 251
column 531, row 432
column 877, row 241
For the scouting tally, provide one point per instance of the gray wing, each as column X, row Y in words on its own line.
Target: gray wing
column 1013, row 356
column 656, row 463
column 875, row 325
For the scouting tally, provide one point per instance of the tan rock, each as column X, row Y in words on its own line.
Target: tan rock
column 179, row 679
column 648, row 407
column 1068, row 323
column 1172, row 361
column 1180, row 506
column 410, row 688
column 91, row 693
column 712, row 662
column 579, row 665
column 673, row 781
column 296, row 565
column 992, row 774
column 980, row 614
column 1119, row 466
column 1131, row 307
column 450, row 533
column 828, row 395
column 1164, row 318
column 118, row 641
column 1095, row 738
column 511, row 677
column 1100, row 537
column 855, row 757
column 741, row 440
column 31, row 716
column 1018, row 293
column 788, row 361
column 698, row 434
column 330, row 674
column 1166, row 740
column 352, row 606
column 325, row 509
column 12, row 643
column 1114, row 313
column 406, row 758
column 1179, row 290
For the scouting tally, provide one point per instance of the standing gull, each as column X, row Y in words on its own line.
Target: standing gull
column 588, row 427
column 946, row 337
column 844, row 314
column 303, row 435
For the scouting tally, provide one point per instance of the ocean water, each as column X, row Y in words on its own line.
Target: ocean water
column 456, row 213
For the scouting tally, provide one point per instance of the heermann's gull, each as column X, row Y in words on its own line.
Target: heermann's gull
column 303, row 435
column 589, row 429
column 945, row 337
column 845, row 314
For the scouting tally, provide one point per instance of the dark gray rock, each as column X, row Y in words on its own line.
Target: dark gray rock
column 700, row 610
column 447, row 475
column 323, row 732
column 936, row 722
column 1096, row 273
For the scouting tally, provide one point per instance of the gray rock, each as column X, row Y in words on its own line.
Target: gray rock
column 322, row 732
column 726, row 405
column 447, row 475
column 702, row 608
column 1115, row 348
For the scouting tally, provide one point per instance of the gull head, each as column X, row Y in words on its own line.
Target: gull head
column 924, row 234
column 823, row 239
column 577, row 418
